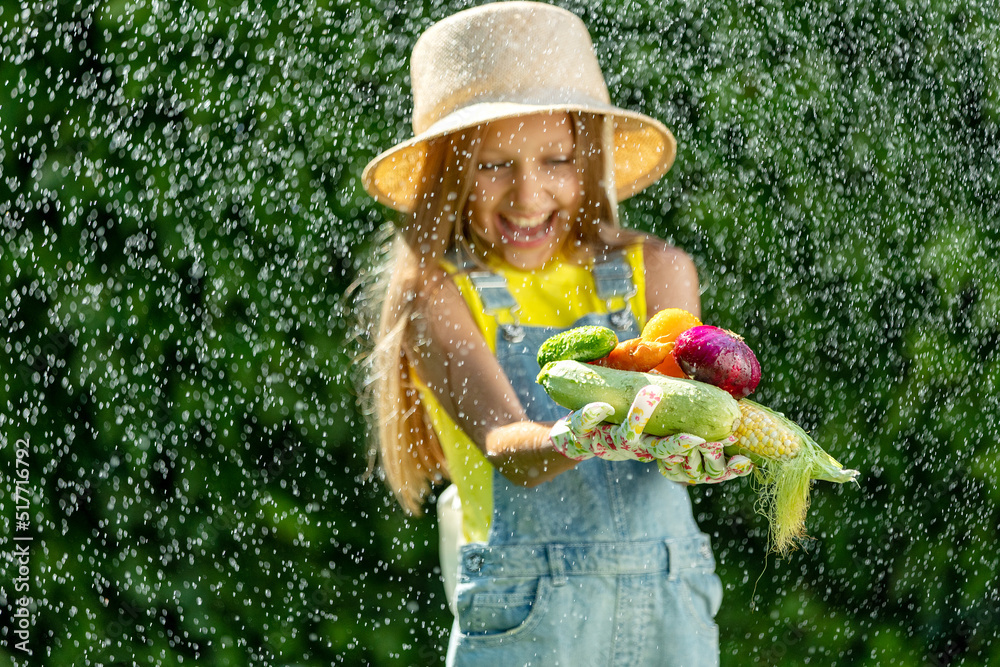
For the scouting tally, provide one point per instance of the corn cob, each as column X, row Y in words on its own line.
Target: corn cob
column 786, row 461
column 761, row 434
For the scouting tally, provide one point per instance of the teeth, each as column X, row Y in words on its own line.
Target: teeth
column 526, row 223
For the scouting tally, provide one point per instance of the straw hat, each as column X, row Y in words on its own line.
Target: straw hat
column 510, row 59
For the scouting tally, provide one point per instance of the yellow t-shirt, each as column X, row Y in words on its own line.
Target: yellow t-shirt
column 555, row 296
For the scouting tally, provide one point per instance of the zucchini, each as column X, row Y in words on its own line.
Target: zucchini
column 578, row 344
column 688, row 406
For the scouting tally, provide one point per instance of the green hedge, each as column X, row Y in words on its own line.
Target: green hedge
column 182, row 220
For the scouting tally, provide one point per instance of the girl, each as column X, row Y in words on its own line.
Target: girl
column 509, row 190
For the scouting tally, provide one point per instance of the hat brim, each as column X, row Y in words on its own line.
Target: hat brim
column 644, row 149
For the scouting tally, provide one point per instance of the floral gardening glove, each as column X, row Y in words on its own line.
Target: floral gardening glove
column 704, row 464
column 681, row 457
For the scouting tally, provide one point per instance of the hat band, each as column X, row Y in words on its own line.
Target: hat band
column 484, row 108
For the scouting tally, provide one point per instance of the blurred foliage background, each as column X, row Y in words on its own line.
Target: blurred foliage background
column 182, row 218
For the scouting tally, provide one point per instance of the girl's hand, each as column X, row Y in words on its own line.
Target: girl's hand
column 573, row 436
column 681, row 457
column 706, row 464
column 583, row 433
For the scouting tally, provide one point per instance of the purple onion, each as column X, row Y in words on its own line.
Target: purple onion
column 718, row 357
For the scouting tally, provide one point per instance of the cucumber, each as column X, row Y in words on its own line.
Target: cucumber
column 579, row 344
column 688, row 406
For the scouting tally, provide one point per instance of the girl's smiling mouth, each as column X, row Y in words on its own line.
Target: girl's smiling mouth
column 525, row 230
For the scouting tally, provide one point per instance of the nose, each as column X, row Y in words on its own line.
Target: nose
column 532, row 181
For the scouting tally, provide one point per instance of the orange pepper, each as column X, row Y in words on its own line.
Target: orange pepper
column 670, row 367
column 637, row 355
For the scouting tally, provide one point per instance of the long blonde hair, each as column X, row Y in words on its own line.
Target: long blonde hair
column 407, row 447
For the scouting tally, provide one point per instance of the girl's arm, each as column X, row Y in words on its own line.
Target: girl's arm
column 671, row 279
column 451, row 357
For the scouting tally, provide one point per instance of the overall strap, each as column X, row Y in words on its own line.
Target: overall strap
column 493, row 292
column 496, row 298
column 613, row 279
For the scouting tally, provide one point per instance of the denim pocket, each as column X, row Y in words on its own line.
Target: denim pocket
column 500, row 607
column 703, row 596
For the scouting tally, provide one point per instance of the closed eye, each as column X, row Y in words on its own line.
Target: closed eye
column 494, row 166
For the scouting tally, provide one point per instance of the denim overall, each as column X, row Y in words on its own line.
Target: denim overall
column 603, row 564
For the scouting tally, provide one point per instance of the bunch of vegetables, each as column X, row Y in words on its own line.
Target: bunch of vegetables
column 706, row 374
